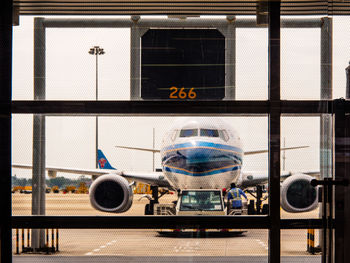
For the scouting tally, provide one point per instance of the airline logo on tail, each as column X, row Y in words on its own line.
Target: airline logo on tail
column 102, row 161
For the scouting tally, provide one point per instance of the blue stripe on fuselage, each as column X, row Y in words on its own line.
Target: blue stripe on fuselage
column 181, row 171
column 202, row 144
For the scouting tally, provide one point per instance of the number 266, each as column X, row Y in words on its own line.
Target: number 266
column 181, row 93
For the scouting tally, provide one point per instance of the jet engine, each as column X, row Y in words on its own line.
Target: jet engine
column 111, row 193
column 297, row 194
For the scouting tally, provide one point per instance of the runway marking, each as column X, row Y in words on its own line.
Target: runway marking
column 101, row 247
column 261, row 243
column 188, row 247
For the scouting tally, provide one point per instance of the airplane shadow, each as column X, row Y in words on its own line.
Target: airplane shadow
column 200, row 234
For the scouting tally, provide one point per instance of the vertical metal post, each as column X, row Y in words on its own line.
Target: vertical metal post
column 153, row 153
column 230, row 59
column 5, row 134
column 38, row 174
column 28, row 238
column 274, row 130
column 96, row 51
column 52, row 240
column 326, row 157
column 347, row 91
column 47, row 238
column 57, row 238
column 96, row 134
column 326, row 58
column 135, row 60
column 17, row 241
column 342, row 193
column 22, row 239
column 326, row 127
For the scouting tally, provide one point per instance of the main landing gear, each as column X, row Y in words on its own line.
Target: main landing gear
column 257, row 209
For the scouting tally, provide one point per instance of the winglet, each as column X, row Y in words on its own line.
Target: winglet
column 102, row 161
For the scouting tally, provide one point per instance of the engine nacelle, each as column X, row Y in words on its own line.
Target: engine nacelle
column 111, row 193
column 297, row 194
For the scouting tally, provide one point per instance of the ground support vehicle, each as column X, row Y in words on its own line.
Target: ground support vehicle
column 199, row 202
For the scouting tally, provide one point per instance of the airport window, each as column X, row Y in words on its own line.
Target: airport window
column 98, row 166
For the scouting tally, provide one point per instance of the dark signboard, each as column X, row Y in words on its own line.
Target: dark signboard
column 183, row 64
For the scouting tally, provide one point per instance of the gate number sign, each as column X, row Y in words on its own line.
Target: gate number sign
column 183, row 64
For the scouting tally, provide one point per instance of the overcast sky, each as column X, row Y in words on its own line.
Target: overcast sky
column 70, row 73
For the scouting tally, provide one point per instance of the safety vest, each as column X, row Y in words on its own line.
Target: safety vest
column 235, row 194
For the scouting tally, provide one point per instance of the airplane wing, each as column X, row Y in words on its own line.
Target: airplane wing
column 52, row 170
column 140, row 149
column 282, row 149
column 154, row 178
column 253, row 178
column 249, row 179
column 245, row 153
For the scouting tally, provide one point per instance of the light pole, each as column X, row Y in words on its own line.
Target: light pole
column 96, row 50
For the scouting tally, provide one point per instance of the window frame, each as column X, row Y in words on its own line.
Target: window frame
column 274, row 108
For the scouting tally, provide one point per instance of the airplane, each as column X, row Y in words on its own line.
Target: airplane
column 196, row 153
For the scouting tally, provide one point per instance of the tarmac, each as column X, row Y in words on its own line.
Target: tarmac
column 147, row 245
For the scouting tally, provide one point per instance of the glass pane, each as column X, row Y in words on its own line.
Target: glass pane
column 188, row 132
column 302, row 245
column 123, row 245
column 70, row 144
column 214, row 60
column 137, row 147
column 341, row 36
column 252, row 64
column 300, row 63
column 71, row 71
column 299, row 166
column 209, row 133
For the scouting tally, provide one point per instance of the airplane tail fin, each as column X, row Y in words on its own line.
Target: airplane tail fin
column 102, row 161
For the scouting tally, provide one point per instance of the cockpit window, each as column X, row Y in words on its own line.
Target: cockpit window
column 174, row 135
column 223, row 135
column 209, row 133
column 188, row 132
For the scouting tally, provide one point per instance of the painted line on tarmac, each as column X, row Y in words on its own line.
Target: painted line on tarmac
column 91, row 253
column 261, row 243
column 188, row 247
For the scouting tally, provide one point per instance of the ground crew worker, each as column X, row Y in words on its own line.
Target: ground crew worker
column 235, row 194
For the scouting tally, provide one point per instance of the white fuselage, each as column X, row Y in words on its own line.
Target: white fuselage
column 201, row 153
